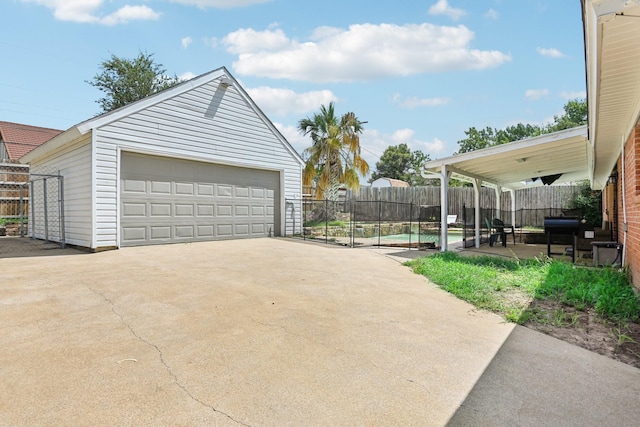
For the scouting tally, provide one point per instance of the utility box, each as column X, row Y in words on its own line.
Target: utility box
column 606, row 253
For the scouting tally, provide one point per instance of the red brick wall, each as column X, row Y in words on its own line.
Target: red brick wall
column 632, row 194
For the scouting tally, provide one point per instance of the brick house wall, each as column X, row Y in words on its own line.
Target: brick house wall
column 632, row 194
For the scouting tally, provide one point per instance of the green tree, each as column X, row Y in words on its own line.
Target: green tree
column 589, row 202
column 518, row 132
column 477, row 139
column 399, row 162
column 127, row 80
column 575, row 114
column 333, row 159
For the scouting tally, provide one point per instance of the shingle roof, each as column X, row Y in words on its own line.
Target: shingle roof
column 19, row 139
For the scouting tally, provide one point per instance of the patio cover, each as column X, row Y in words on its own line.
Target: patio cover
column 508, row 167
column 612, row 53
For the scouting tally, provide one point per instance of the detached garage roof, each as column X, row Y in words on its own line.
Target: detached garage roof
column 516, row 164
column 19, row 139
column 221, row 74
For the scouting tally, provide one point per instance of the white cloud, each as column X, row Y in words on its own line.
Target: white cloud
column 186, row 41
column 220, row 4
column 362, row 52
column 415, row 102
column 247, row 41
column 128, row 13
column 574, row 95
column 87, row 11
column 278, row 102
column 295, row 138
column 442, row 7
column 550, row 52
column 186, row 76
column 372, row 142
column 535, row 94
column 492, row 14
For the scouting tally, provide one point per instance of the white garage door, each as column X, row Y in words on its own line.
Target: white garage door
column 164, row 200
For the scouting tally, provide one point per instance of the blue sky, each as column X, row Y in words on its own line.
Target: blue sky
column 418, row 72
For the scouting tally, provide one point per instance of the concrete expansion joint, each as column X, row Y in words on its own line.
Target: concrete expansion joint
column 164, row 363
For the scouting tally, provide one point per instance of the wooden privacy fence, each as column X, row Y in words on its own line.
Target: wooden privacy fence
column 534, row 200
column 14, row 191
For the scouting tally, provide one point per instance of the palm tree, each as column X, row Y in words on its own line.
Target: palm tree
column 334, row 156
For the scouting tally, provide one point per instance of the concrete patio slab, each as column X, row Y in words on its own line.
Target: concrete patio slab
column 265, row 332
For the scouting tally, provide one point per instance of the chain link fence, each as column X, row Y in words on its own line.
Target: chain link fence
column 46, row 213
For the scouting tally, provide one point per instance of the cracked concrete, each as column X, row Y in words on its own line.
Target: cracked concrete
column 272, row 332
column 164, row 363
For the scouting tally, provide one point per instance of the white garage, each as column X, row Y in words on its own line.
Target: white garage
column 196, row 162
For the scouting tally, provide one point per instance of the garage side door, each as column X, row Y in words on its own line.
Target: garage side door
column 164, row 200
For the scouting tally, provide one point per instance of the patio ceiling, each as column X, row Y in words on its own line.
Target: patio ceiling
column 514, row 165
column 612, row 49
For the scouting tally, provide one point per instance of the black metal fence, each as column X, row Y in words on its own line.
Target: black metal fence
column 359, row 223
column 529, row 219
column 366, row 223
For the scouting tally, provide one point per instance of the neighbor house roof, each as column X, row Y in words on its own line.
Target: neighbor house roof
column 19, row 138
column 393, row 182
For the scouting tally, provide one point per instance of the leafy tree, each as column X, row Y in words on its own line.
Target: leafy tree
column 575, row 114
column 127, row 80
column 334, row 157
column 589, row 202
column 477, row 139
column 399, row 162
column 518, row 132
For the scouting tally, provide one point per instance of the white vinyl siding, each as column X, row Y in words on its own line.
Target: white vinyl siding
column 203, row 124
column 74, row 164
column 198, row 120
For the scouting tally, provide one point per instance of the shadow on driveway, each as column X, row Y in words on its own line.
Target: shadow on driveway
column 21, row 247
column 537, row 380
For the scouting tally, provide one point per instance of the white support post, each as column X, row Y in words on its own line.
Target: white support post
column 477, row 184
column 498, row 190
column 444, row 208
column 513, row 207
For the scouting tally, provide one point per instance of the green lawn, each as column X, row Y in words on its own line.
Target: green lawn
column 507, row 286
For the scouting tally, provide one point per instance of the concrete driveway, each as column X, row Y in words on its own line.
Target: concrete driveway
column 274, row 332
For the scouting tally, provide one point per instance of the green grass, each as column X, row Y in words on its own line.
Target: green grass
column 506, row 286
column 5, row 221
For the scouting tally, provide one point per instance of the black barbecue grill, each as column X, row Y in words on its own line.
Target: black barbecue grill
column 562, row 226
